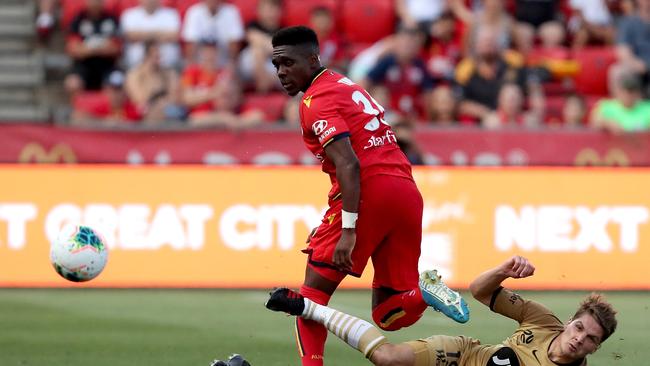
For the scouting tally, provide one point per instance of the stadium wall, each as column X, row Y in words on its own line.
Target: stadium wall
column 22, row 143
column 243, row 227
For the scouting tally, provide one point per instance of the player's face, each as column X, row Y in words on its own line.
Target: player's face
column 581, row 337
column 293, row 67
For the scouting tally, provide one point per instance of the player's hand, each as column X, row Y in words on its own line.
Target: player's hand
column 342, row 257
column 311, row 235
column 518, row 267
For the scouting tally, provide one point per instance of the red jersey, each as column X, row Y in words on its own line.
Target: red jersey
column 334, row 107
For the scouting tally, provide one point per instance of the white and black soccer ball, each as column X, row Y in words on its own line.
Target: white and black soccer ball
column 78, row 253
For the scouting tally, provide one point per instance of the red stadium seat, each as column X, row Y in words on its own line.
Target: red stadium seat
column 247, row 9
column 553, row 110
column 271, row 104
column 366, row 21
column 594, row 63
column 70, row 8
column 89, row 101
column 298, row 12
column 125, row 4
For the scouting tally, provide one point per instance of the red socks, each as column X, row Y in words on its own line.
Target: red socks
column 400, row 310
column 310, row 335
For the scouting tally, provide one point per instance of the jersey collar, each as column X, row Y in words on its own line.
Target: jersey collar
column 317, row 74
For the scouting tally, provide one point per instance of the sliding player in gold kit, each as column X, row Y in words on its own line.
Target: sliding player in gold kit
column 541, row 338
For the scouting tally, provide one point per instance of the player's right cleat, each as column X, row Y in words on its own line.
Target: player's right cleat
column 286, row 300
column 441, row 298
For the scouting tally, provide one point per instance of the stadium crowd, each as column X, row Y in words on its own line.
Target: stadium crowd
column 489, row 63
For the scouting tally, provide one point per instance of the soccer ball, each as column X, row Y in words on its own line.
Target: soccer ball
column 78, row 254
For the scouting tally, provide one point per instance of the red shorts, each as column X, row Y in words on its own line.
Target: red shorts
column 389, row 230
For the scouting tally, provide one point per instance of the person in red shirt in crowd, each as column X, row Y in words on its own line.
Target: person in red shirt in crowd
column 344, row 127
column 404, row 73
column 94, row 46
column 332, row 45
column 111, row 108
column 227, row 110
column 444, row 49
column 199, row 80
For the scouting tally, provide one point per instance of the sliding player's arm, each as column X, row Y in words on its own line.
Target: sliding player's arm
column 487, row 289
column 340, row 152
column 484, row 286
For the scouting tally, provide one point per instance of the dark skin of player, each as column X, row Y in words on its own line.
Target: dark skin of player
column 296, row 67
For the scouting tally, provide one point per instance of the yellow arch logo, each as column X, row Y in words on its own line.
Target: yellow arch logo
column 613, row 157
column 35, row 152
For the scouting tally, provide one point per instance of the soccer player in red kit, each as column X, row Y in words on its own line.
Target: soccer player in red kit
column 375, row 208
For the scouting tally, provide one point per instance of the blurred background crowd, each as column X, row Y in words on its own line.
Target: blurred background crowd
column 489, row 63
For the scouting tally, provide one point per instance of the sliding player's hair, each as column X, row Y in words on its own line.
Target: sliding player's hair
column 296, row 36
column 602, row 311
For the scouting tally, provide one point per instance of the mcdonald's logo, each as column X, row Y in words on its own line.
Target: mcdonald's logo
column 35, row 152
column 590, row 157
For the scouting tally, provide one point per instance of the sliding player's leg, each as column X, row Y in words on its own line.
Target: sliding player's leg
column 367, row 339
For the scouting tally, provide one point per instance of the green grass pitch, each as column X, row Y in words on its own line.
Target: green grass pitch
column 75, row 327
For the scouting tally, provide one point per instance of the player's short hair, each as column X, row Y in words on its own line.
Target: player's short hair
column 296, row 36
column 597, row 306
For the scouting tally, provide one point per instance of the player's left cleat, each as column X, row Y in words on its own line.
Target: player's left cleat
column 441, row 298
column 234, row 360
column 286, row 300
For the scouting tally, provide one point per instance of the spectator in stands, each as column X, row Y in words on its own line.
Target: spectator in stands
column 199, row 80
column 511, row 111
column 153, row 88
column 255, row 64
column 444, row 48
column 151, row 22
column 419, row 13
column 574, row 111
column 94, row 46
column 530, row 15
column 481, row 75
column 591, row 23
column 491, row 17
column 332, row 45
column 214, row 19
column 443, row 109
column 405, row 134
column 633, row 48
column 45, row 20
column 227, row 110
column 112, row 107
column 627, row 111
column 404, row 74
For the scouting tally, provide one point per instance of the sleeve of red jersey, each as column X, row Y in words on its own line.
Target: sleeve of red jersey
column 322, row 118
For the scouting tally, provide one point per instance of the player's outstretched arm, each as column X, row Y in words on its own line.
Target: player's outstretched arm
column 484, row 285
column 340, row 152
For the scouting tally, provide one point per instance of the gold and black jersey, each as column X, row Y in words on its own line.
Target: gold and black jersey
column 538, row 327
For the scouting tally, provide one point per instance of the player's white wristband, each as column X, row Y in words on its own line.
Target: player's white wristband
column 349, row 219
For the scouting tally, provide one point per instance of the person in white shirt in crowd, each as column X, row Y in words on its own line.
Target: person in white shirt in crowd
column 419, row 13
column 591, row 22
column 217, row 20
column 151, row 22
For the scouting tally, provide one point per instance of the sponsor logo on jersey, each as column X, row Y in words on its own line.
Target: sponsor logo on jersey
column 319, row 126
column 385, row 139
column 307, row 101
column 504, row 357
